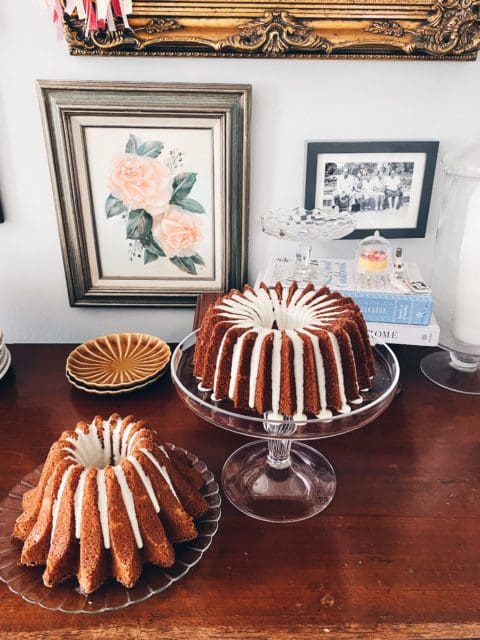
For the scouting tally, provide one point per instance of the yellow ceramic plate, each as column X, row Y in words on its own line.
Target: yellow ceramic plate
column 118, row 360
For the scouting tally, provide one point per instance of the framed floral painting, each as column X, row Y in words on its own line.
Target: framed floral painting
column 151, row 188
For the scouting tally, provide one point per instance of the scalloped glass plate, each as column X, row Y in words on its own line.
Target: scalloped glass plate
column 27, row 581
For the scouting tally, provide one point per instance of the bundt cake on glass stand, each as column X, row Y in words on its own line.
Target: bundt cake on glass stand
column 277, row 478
column 303, row 226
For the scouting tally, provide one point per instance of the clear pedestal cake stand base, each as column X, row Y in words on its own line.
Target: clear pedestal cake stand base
column 453, row 370
column 276, row 478
column 278, row 481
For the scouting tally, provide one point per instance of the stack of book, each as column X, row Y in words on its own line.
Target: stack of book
column 392, row 316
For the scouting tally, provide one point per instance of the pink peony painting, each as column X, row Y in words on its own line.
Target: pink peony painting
column 162, row 220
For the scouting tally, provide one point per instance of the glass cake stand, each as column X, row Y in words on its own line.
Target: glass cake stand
column 276, row 478
column 303, row 226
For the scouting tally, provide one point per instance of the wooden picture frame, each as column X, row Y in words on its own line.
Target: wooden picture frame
column 151, row 189
column 386, row 185
column 414, row 29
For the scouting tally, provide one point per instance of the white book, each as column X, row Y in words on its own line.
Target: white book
column 410, row 334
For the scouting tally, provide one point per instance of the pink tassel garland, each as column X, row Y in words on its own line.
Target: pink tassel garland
column 96, row 15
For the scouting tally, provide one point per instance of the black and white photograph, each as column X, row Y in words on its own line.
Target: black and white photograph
column 384, row 185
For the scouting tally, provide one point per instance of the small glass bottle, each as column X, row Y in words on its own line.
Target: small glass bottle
column 399, row 264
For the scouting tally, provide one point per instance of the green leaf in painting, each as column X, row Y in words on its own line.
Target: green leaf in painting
column 189, row 204
column 198, row 259
column 133, row 144
column 148, row 256
column 139, row 224
column 152, row 246
column 114, row 206
column 151, row 149
column 182, row 185
column 185, row 264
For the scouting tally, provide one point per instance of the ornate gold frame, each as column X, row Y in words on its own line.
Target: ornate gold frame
column 445, row 29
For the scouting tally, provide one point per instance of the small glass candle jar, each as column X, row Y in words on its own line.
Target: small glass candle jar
column 373, row 261
column 456, row 276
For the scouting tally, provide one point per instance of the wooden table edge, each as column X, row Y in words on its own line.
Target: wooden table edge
column 400, row 631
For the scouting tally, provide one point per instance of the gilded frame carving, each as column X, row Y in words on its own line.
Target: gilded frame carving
column 418, row 29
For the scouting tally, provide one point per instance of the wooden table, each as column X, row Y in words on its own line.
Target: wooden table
column 396, row 555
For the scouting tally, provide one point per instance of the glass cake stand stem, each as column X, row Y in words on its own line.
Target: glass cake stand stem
column 277, row 480
column 304, row 272
column 279, row 453
column 303, row 257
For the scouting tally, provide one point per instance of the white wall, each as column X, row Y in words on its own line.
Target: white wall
column 293, row 100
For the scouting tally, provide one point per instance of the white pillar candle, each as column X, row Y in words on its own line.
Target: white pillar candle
column 466, row 319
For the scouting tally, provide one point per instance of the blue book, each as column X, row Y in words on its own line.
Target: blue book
column 387, row 305
column 393, row 307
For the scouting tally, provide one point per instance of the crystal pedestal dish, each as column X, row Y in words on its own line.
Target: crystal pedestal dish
column 276, row 478
column 304, row 226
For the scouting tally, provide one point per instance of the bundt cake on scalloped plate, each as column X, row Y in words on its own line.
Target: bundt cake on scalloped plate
column 111, row 498
column 285, row 351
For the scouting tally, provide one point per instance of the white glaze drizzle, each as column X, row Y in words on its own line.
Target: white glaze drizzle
column 93, row 444
column 320, row 371
column 276, row 373
column 126, row 434
column 58, row 499
column 78, row 502
column 146, row 481
column 116, row 442
column 338, row 364
column 103, row 507
column 307, row 297
column 162, row 470
column 253, row 306
column 237, row 349
column 358, row 399
column 107, row 442
column 131, row 442
column 129, row 503
column 254, row 364
column 73, row 452
column 296, row 295
column 163, row 450
column 217, row 365
column 298, row 373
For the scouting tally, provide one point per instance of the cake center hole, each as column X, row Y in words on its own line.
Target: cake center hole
column 288, row 318
column 91, row 451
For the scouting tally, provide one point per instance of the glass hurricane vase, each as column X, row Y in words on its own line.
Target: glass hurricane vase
column 456, row 276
